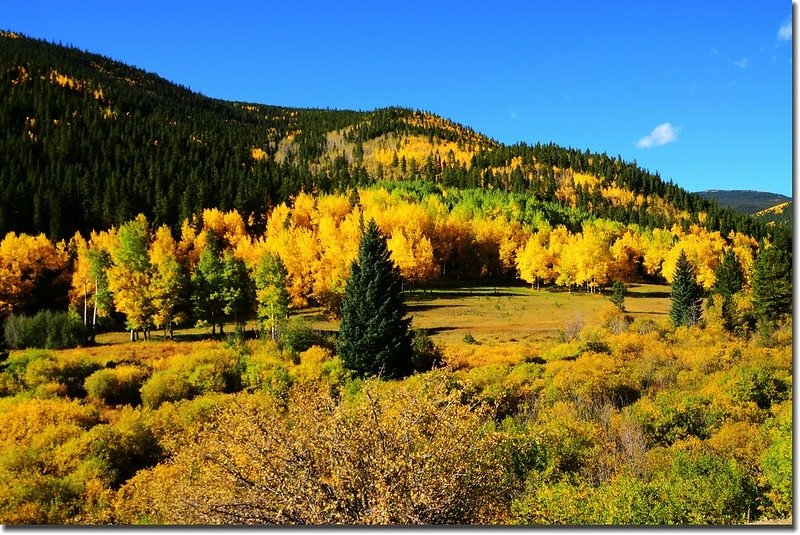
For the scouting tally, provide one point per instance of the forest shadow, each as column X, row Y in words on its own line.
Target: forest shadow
column 657, row 294
column 437, row 330
column 453, row 294
column 426, row 307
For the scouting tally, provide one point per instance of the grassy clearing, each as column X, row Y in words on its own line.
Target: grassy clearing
column 507, row 323
column 510, row 314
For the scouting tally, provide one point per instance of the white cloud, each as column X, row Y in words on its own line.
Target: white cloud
column 785, row 31
column 661, row 135
column 742, row 63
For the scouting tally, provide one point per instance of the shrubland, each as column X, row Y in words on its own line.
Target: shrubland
column 627, row 422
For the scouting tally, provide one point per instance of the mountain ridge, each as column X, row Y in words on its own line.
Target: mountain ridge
column 89, row 142
column 745, row 201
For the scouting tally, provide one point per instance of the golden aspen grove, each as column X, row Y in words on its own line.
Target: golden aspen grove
column 186, row 284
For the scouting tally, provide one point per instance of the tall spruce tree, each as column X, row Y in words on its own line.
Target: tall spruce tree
column 772, row 284
column 207, row 298
column 374, row 338
column 686, row 295
column 729, row 275
column 730, row 280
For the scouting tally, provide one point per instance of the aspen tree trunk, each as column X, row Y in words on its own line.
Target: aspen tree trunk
column 94, row 313
column 272, row 320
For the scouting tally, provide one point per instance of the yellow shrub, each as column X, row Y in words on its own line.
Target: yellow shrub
column 315, row 355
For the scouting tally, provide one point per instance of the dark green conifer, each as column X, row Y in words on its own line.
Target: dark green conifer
column 772, row 284
column 686, row 295
column 730, row 280
column 729, row 275
column 373, row 336
column 207, row 286
column 618, row 293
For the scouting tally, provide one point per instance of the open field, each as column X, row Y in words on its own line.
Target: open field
column 491, row 314
column 507, row 314
column 507, row 323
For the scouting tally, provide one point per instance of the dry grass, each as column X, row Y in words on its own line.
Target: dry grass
column 507, row 323
column 153, row 351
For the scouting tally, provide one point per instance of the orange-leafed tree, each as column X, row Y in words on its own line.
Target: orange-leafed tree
column 33, row 273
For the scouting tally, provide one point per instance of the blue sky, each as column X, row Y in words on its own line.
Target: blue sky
column 699, row 91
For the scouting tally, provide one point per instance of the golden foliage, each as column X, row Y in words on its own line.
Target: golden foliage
column 258, row 154
column 404, row 455
column 24, row 261
column 704, row 250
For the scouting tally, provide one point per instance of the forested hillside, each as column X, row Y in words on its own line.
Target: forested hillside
column 745, row 201
column 87, row 143
column 780, row 214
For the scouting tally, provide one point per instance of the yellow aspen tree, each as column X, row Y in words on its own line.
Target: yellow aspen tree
column 489, row 234
column 563, row 264
column 414, row 256
column 535, row 262
column 187, row 246
column 303, row 210
column 656, row 245
column 594, row 260
column 567, row 267
column 130, row 276
column 168, row 281
column 515, row 237
column 336, row 250
column 226, row 226
column 81, row 293
column 704, row 251
column 299, row 251
column 278, row 221
column 745, row 248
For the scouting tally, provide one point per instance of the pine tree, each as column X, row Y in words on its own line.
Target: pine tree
column 373, row 336
column 207, row 287
column 618, row 293
column 729, row 280
column 686, row 295
column 772, row 284
column 729, row 275
column 237, row 291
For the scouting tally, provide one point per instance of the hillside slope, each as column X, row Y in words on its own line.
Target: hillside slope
column 745, row 201
column 87, row 142
column 780, row 214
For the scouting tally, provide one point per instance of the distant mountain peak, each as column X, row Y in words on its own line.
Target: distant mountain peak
column 745, row 201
